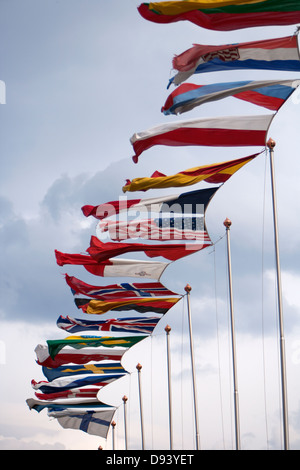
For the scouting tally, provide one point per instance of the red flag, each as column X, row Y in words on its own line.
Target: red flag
column 102, row 251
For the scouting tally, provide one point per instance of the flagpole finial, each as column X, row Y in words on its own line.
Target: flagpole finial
column 271, row 143
column 124, row 399
column 168, row 329
column 139, row 367
column 227, row 222
column 188, row 288
column 113, row 423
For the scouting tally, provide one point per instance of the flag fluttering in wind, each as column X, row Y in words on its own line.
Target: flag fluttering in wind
column 74, row 396
column 115, row 291
column 215, row 173
column 223, row 15
column 135, row 325
column 270, row 94
column 189, row 202
column 79, row 342
column 232, row 131
column 94, row 418
column 74, row 356
column 74, row 403
column 62, row 384
column 270, row 54
column 92, row 422
column 162, row 229
column 98, row 307
column 173, row 251
column 98, row 368
column 99, row 251
column 114, row 267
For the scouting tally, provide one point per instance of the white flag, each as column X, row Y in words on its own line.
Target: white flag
column 96, row 423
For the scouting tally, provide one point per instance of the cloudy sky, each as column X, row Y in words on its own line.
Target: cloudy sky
column 81, row 78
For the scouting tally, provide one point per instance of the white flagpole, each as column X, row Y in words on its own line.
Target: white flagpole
column 139, row 368
column 113, row 425
column 271, row 144
column 227, row 224
column 167, row 330
column 188, row 290
column 125, row 421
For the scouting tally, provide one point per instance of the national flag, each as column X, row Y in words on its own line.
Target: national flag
column 71, row 356
column 191, row 202
column 215, row 173
column 232, row 131
column 76, row 395
column 114, row 267
column 79, row 342
column 166, row 228
column 270, row 94
column 95, row 423
column 101, row 251
column 271, row 54
column 115, row 291
column 121, row 325
column 67, row 383
column 98, row 307
column 224, row 15
column 75, row 404
column 101, row 368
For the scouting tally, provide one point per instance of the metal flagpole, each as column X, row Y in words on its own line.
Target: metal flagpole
column 167, row 330
column 188, row 290
column 125, row 420
column 271, row 144
column 113, row 425
column 139, row 368
column 227, row 224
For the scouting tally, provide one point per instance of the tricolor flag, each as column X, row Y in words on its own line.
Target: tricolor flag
column 100, row 368
column 79, row 342
column 166, row 228
column 270, row 54
column 115, row 291
column 98, row 307
column 121, row 325
column 224, row 15
column 270, row 94
column 191, row 202
column 215, row 173
column 232, row 131
column 114, row 267
column 102, row 251
column 71, row 356
column 96, row 423
column 67, row 383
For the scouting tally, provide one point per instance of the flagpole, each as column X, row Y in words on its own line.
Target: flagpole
column 227, row 224
column 113, row 425
column 125, row 420
column 139, row 368
column 188, row 290
column 167, row 330
column 271, row 144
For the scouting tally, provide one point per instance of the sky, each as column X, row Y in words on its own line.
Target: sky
column 80, row 79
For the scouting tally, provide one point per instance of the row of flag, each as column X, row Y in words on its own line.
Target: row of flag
column 172, row 226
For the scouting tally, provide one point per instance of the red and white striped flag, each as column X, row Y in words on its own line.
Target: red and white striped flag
column 233, row 131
